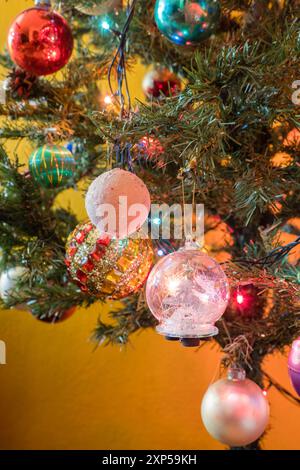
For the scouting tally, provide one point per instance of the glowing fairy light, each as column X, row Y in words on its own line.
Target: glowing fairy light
column 105, row 25
column 107, row 99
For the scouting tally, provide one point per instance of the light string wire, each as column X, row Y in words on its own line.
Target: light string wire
column 275, row 256
column 119, row 61
column 123, row 155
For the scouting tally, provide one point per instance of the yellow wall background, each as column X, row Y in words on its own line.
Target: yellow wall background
column 56, row 392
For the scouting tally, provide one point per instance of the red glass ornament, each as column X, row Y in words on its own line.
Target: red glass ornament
column 161, row 82
column 40, row 41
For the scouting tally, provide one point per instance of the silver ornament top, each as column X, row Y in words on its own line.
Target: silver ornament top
column 43, row 3
column 236, row 373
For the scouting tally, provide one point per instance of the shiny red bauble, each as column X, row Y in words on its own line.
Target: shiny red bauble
column 40, row 41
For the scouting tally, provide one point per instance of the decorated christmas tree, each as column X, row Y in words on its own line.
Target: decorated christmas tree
column 219, row 126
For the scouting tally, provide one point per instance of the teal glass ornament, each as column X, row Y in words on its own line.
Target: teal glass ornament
column 187, row 22
column 52, row 166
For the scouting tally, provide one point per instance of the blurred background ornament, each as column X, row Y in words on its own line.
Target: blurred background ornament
column 10, row 282
column 187, row 22
column 160, row 82
column 106, row 267
column 293, row 138
column 52, row 166
column 118, row 203
column 99, row 8
column 294, row 365
column 40, row 40
column 235, row 410
column 187, row 291
column 149, row 150
column 9, row 193
column 20, row 84
column 110, row 18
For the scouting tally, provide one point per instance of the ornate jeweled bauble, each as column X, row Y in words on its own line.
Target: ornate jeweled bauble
column 234, row 410
column 187, row 291
column 40, row 41
column 106, row 267
column 187, row 22
column 161, row 82
column 52, row 166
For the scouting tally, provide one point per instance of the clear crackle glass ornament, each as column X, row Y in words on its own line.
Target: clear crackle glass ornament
column 187, row 291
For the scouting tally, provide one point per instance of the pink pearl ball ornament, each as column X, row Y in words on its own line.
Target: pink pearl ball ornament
column 234, row 410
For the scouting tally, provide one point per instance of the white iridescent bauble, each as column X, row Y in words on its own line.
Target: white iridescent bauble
column 118, row 203
column 234, row 410
column 9, row 281
column 187, row 291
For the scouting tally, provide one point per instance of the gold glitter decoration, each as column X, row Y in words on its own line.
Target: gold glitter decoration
column 105, row 267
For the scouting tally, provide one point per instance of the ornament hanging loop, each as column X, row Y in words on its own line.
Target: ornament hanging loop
column 236, row 373
column 43, row 3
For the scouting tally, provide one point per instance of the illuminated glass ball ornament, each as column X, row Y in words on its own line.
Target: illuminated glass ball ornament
column 118, row 203
column 52, row 166
column 40, row 41
column 235, row 410
column 106, row 267
column 187, row 22
column 100, row 8
column 187, row 291
column 294, row 365
column 161, row 82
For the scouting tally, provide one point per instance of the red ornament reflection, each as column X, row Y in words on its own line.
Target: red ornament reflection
column 160, row 83
column 40, row 41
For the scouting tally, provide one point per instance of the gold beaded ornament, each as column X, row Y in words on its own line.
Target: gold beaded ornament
column 106, row 267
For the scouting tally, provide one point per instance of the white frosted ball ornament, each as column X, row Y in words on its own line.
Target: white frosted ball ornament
column 9, row 281
column 234, row 410
column 118, row 203
column 187, row 291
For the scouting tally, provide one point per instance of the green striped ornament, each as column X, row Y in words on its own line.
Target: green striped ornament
column 52, row 166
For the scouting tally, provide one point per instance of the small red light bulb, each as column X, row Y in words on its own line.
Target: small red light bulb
column 240, row 299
